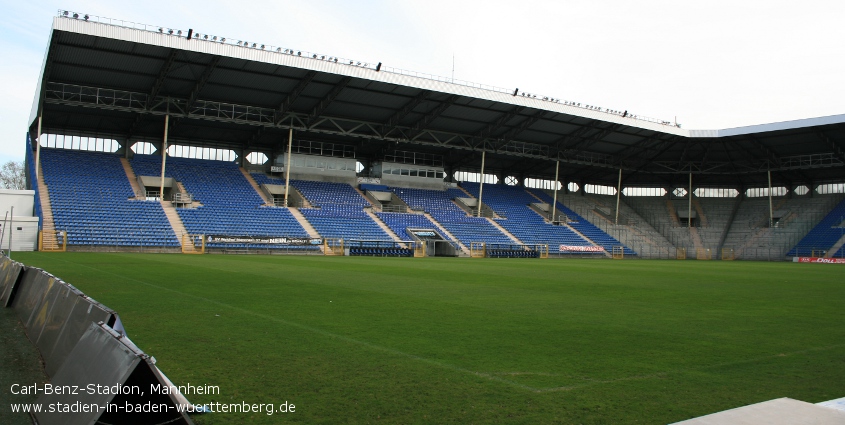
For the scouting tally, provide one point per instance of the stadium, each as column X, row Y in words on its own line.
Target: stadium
column 379, row 245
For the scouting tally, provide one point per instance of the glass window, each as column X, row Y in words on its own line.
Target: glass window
column 715, row 192
column 599, row 189
column 758, row 192
column 643, row 191
column 826, row 189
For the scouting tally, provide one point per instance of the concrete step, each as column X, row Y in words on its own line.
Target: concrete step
column 382, row 224
column 176, row 223
column 505, row 231
column 312, row 232
column 133, row 179
column 835, row 247
column 673, row 214
column 49, row 239
column 443, row 230
column 365, row 197
column 702, row 219
column 267, row 201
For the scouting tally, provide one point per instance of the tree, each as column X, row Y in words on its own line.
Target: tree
column 12, row 176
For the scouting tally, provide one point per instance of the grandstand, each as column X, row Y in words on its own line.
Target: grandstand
column 627, row 183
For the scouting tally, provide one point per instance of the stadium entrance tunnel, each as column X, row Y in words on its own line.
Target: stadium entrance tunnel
column 435, row 244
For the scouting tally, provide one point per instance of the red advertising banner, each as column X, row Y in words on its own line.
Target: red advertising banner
column 818, row 260
column 578, row 248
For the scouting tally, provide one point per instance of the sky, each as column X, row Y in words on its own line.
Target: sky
column 709, row 65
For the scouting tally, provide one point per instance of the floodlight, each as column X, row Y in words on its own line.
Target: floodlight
column 170, row 32
column 161, row 30
column 223, row 40
column 205, row 36
column 75, row 16
column 335, row 60
column 85, row 17
column 299, row 53
column 253, row 45
column 279, row 50
column 214, row 38
column 64, row 13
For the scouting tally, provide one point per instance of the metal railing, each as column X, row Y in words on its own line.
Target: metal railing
column 182, row 198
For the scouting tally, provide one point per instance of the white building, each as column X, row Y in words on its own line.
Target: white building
column 22, row 227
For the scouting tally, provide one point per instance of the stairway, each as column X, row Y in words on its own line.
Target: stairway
column 48, row 226
column 382, row 225
column 673, row 214
column 696, row 238
column 702, row 219
column 177, row 225
column 443, row 230
column 363, row 195
column 133, row 179
column 835, row 248
column 267, row 201
column 312, row 232
column 574, row 230
column 505, row 231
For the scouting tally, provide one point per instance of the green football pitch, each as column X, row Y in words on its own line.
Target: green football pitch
column 403, row 340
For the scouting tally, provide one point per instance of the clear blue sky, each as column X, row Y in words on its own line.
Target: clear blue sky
column 715, row 64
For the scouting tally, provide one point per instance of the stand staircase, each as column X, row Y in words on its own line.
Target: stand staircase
column 835, row 248
column 177, row 225
column 382, row 225
column 505, row 231
column 312, row 232
column 267, row 201
column 673, row 214
column 443, row 230
column 140, row 194
column 49, row 241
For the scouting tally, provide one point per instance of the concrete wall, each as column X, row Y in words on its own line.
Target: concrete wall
column 319, row 168
column 22, row 200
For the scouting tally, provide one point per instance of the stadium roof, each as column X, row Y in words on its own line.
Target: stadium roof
column 115, row 79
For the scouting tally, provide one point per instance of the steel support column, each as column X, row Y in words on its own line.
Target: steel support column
column 771, row 211
column 164, row 158
column 554, row 199
column 689, row 210
column 38, row 149
column 287, row 163
column 481, row 182
column 618, row 195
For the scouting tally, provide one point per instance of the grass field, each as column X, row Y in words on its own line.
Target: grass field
column 375, row 340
